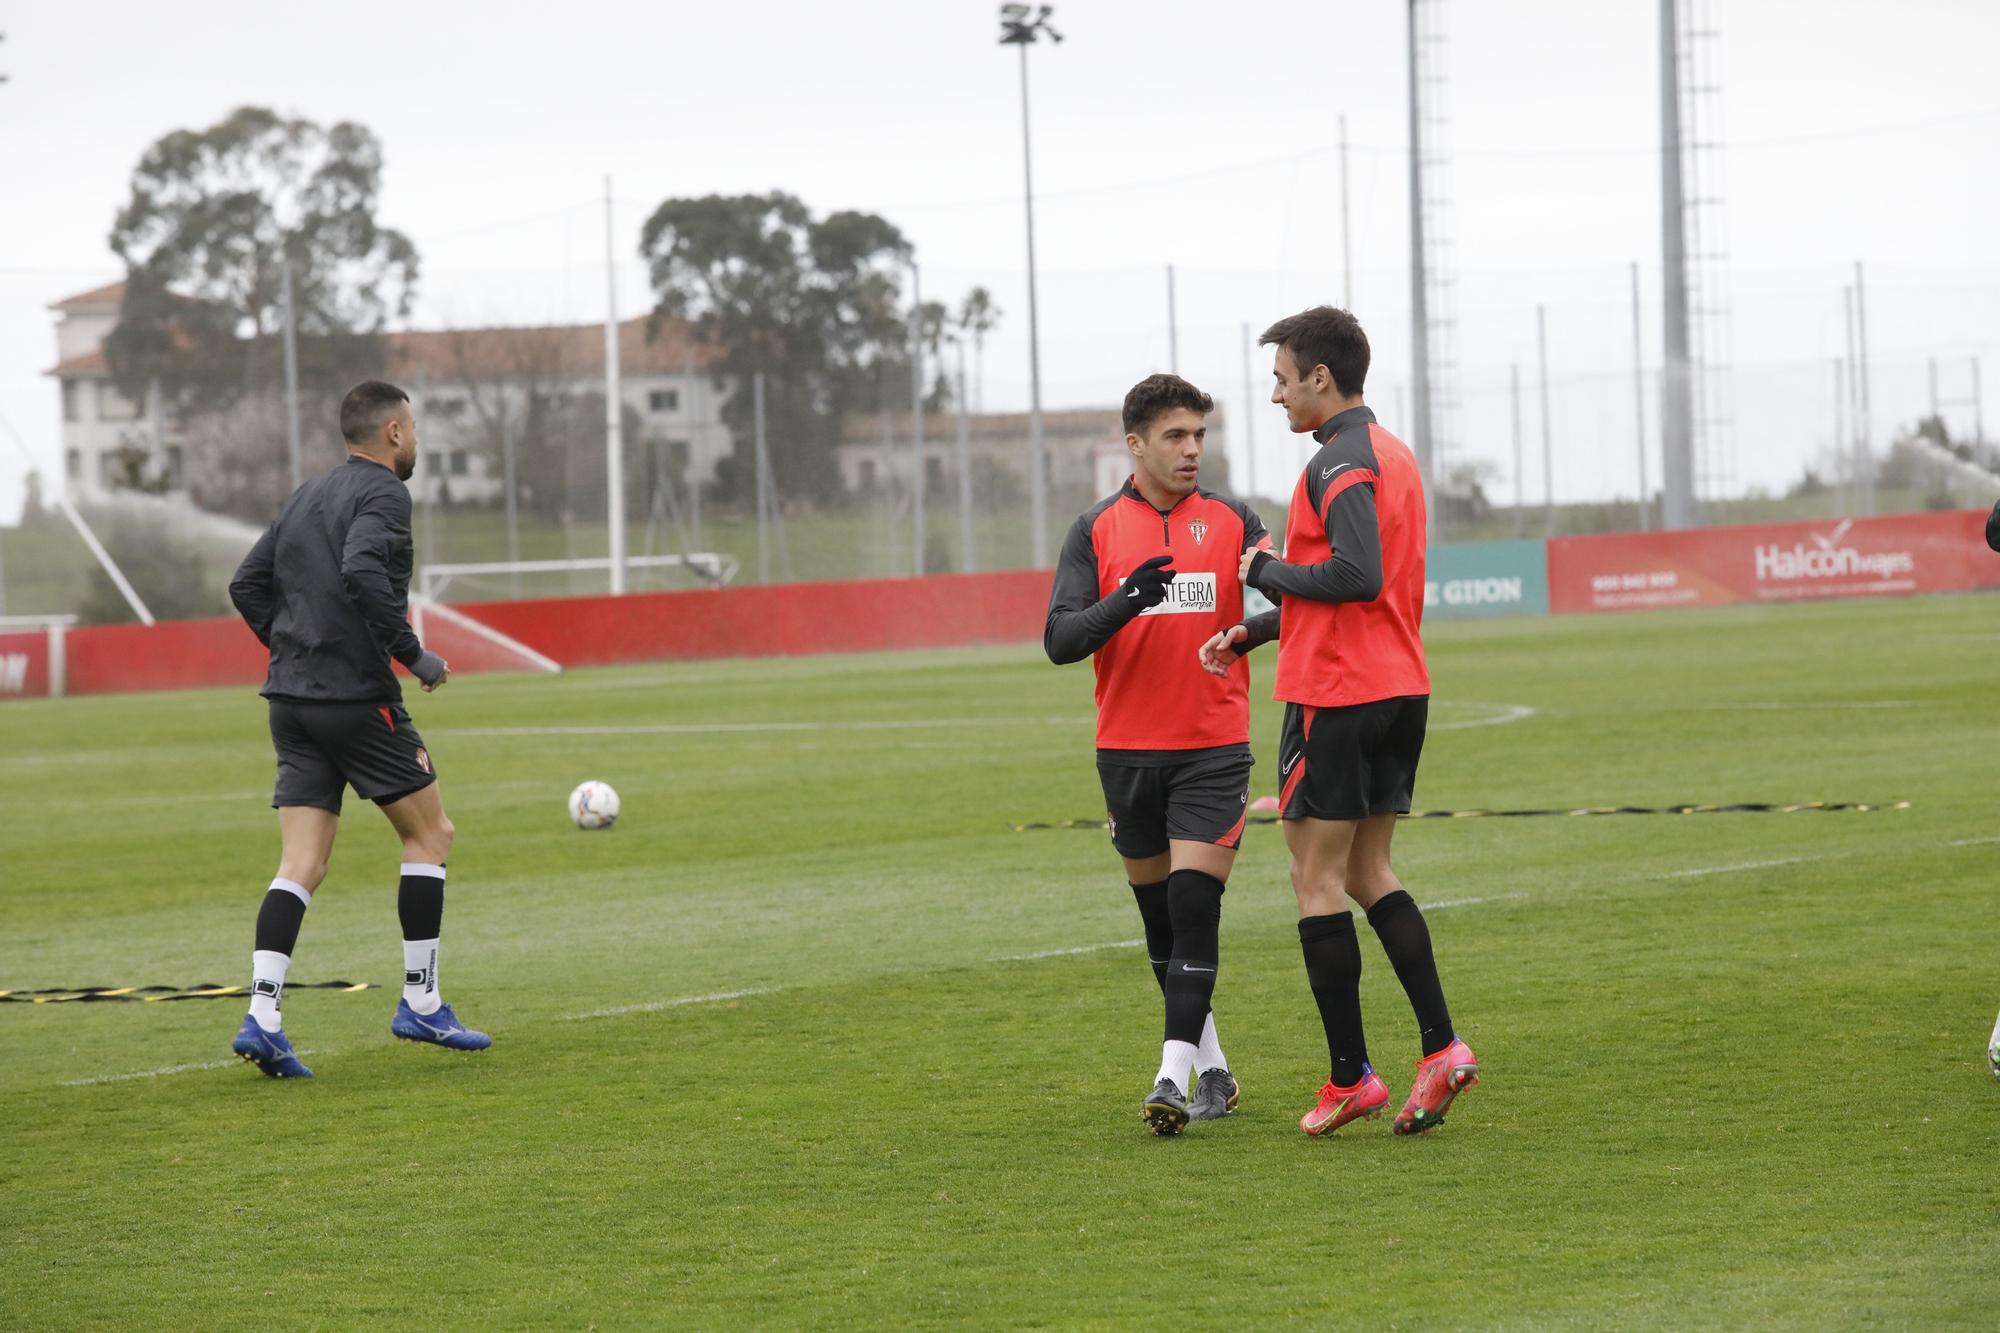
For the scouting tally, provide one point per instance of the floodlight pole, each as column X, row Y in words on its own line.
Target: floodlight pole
column 1420, row 333
column 1346, row 232
column 291, row 373
column 1548, row 447
column 966, row 554
column 1639, row 404
column 917, row 414
column 1514, row 391
column 1173, row 327
column 1677, row 498
column 1018, row 29
column 693, row 468
column 1865, row 424
column 1249, row 413
column 614, row 422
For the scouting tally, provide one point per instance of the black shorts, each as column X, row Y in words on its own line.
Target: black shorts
column 1203, row 798
column 1353, row 762
column 323, row 748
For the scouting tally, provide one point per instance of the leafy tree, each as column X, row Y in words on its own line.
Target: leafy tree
column 815, row 304
column 236, row 458
column 213, row 217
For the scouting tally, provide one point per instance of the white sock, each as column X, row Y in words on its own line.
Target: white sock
column 267, row 986
column 1209, row 1053
column 420, row 975
column 1176, row 1061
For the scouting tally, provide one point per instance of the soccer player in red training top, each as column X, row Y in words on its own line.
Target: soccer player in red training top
column 1356, row 690
column 1146, row 576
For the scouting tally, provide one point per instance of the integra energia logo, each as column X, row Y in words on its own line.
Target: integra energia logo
column 1827, row 558
column 1189, row 594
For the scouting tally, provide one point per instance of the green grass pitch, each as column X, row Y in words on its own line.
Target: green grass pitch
column 811, row 1037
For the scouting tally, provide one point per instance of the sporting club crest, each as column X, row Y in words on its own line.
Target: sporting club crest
column 1197, row 530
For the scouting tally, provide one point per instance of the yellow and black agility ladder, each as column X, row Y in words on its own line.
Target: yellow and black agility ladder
column 207, row 990
column 1736, row 808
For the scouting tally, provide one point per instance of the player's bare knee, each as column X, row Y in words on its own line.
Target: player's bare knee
column 1370, row 881
column 308, row 875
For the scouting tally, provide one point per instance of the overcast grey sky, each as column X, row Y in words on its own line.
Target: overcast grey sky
column 1200, row 135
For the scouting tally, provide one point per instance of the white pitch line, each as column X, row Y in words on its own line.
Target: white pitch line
column 731, row 728
column 1508, row 713
column 654, row 1006
column 1970, row 842
column 1065, row 953
column 1794, row 706
column 155, row 1073
column 1471, row 902
column 1731, row 869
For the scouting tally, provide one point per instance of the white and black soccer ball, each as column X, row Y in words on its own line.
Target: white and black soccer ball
column 593, row 805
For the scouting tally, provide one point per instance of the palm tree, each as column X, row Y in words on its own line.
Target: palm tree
column 978, row 316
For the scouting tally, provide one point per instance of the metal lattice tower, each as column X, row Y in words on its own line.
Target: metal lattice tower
column 1437, row 205
column 1699, row 49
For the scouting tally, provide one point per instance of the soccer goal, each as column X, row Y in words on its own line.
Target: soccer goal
column 713, row 569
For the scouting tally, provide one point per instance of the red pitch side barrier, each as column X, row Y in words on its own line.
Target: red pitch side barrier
column 24, row 663
column 944, row 611
column 794, row 619
column 1778, row 562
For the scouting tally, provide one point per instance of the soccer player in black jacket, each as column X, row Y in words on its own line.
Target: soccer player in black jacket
column 326, row 589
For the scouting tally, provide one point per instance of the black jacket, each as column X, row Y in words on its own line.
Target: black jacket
column 327, row 588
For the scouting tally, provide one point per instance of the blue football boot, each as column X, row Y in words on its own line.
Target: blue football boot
column 439, row 1029
column 269, row 1051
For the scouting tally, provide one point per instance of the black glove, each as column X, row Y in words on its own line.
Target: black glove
column 1257, row 563
column 428, row 667
column 1146, row 586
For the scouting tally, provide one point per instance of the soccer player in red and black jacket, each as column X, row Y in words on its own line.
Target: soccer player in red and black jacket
column 1145, row 578
column 1356, row 689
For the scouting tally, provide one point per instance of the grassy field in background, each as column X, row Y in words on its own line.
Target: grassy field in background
column 811, row 1037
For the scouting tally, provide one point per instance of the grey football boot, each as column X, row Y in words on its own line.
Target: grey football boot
column 1166, row 1110
column 1215, row 1094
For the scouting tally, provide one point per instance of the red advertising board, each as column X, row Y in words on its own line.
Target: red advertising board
column 1778, row 562
column 874, row 615
column 24, row 663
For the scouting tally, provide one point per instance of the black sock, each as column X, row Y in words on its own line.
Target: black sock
column 1152, row 899
column 1333, row 966
column 1194, row 900
column 278, row 922
column 1407, row 940
column 420, row 904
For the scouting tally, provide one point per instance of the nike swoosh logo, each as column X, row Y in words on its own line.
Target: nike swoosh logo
column 1327, row 472
column 1186, row 968
column 1285, row 766
column 1133, row 593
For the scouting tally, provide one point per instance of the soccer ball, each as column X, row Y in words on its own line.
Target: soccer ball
column 593, row 805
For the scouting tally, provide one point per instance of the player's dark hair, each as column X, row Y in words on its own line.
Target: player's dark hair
column 1324, row 336
column 1156, row 395
column 361, row 412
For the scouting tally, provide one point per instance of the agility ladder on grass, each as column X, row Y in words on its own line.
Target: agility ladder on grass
column 1740, row 807
column 207, row 990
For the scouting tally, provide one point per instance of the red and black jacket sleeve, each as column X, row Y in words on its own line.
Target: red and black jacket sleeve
column 1080, row 621
column 1340, row 483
